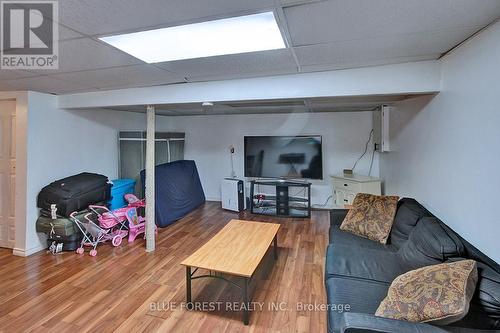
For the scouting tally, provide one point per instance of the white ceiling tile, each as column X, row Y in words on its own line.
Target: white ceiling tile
column 87, row 54
column 341, row 20
column 136, row 75
column 96, row 17
column 216, row 77
column 46, row 84
column 387, row 47
column 285, row 3
column 320, row 104
column 7, row 74
column 331, row 34
column 67, row 33
column 351, row 103
column 366, row 63
column 235, row 64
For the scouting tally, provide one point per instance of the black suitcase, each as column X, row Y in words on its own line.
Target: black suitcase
column 74, row 193
column 69, row 243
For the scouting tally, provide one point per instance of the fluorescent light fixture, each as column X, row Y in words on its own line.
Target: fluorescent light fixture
column 257, row 32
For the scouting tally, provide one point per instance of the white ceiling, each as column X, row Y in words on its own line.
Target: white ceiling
column 322, row 35
column 320, row 104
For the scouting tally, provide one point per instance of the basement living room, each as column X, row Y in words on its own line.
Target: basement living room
column 249, row 166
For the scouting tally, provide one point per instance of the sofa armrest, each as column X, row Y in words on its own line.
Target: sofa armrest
column 337, row 216
column 367, row 323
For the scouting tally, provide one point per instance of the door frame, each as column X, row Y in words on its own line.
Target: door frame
column 21, row 137
column 8, row 115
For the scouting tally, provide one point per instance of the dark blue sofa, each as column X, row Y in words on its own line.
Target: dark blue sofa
column 358, row 272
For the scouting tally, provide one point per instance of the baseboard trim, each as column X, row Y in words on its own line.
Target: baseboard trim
column 25, row 253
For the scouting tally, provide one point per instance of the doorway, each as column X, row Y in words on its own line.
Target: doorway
column 7, row 173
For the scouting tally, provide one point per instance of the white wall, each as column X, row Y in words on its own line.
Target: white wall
column 63, row 143
column 447, row 148
column 208, row 139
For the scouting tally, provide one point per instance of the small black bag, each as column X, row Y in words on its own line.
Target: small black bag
column 74, row 193
column 69, row 243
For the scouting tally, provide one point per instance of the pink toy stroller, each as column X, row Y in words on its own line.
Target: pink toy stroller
column 94, row 234
column 112, row 225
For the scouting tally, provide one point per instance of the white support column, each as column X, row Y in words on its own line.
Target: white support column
column 150, row 179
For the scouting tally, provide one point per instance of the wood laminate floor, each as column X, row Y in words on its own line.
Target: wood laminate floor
column 125, row 289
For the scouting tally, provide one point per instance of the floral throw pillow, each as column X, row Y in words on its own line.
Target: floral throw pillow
column 439, row 294
column 371, row 216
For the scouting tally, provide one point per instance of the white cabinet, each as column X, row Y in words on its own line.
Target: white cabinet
column 345, row 188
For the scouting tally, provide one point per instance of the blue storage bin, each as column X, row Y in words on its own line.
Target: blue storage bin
column 118, row 190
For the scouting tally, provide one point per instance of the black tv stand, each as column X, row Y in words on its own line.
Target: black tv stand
column 279, row 197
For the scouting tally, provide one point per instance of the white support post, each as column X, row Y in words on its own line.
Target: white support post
column 150, row 179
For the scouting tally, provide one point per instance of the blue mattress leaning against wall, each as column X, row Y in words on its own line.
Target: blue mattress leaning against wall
column 178, row 191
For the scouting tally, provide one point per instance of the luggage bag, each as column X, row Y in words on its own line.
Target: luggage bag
column 69, row 243
column 61, row 226
column 74, row 193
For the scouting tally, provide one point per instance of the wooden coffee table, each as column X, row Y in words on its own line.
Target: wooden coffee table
column 236, row 250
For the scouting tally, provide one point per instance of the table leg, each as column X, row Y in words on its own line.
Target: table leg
column 189, row 304
column 276, row 247
column 245, row 303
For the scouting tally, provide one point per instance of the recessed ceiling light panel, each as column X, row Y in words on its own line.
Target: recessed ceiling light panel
column 250, row 33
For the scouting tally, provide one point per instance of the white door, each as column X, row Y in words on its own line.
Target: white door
column 7, row 172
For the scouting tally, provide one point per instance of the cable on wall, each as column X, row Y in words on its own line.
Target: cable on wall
column 366, row 149
column 326, row 201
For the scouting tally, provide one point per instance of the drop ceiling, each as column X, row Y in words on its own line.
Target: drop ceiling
column 321, row 35
column 320, row 104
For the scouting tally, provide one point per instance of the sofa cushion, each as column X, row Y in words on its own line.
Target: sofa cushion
column 371, row 216
column 351, row 295
column 484, row 311
column 438, row 293
column 408, row 214
column 337, row 216
column 429, row 243
column 361, row 263
column 345, row 238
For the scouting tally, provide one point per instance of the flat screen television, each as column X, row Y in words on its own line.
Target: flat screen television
column 291, row 157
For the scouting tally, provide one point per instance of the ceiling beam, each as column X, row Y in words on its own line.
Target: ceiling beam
column 409, row 78
column 285, row 31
